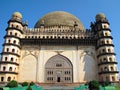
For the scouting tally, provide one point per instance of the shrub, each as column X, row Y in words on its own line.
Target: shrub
column 12, row 83
column 117, row 87
column 24, row 84
column 29, row 88
column 106, row 83
column 93, row 85
column 31, row 83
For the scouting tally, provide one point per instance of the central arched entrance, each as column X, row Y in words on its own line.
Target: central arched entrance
column 58, row 69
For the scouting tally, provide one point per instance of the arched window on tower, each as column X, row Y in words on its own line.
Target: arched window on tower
column 113, row 78
column 106, row 34
column 6, row 58
column 4, row 68
column 12, row 25
column 2, row 79
column 110, row 59
column 10, row 69
column 10, row 33
column 9, row 41
column 15, row 34
column 9, row 79
column 17, row 26
column 105, row 26
column 109, row 50
column 112, row 69
column 14, row 41
column 13, row 50
column 106, row 69
column 107, row 41
column 7, row 50
column 11, row 59
column 105, row 60
column 103, row 50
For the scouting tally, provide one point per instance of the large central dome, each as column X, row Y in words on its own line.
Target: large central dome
column 59, row 18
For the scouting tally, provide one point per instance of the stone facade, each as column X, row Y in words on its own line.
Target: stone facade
column 82, row 59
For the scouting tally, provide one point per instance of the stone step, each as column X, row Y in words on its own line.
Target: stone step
column 58, row 88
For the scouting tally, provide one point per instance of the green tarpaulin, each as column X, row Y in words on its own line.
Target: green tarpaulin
column 110, row 88
column 5, row 88
column 81, row 87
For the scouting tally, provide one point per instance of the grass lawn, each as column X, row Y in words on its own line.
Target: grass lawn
column 117, row 87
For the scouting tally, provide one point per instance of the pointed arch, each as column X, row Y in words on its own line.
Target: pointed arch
column 57, row 69
column 59, row 56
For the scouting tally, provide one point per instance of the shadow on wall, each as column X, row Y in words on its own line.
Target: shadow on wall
column 90, row 68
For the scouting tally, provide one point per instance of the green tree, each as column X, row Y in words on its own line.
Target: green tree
column 93, row 85
column 24, row 84
column 31, row 83
column 12, row 83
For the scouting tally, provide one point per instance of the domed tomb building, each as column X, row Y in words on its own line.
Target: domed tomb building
column 58, row 50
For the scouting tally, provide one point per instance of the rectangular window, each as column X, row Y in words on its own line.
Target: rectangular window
column 58, row 65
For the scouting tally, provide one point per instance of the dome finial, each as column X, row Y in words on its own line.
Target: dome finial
column 75, row 24
column 17, row 15
column 100, row 17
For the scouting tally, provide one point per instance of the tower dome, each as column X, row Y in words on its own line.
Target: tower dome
column 17, row 14
column 59, row 18
column 100, row 16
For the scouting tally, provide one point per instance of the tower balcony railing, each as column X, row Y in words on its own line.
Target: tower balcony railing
column 108, row 72
column 104, row 29
column 8, row 72
column 106, row 53
column 12, row 53
column 104, row 63
column 14, row 28
column 11, row 36
column 104, row 45
column 12, row 44
column 9, row 62
column 109, row 37
column 15, row 20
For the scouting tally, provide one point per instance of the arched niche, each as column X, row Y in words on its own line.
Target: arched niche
column 58, row 69
column 29, row 68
